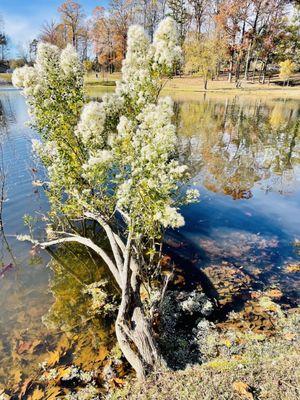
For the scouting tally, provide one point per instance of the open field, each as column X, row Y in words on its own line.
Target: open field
column 5, row 78
column 190, row 87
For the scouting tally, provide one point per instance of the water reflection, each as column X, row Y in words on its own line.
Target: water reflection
column 231, row 146
column 244, row 158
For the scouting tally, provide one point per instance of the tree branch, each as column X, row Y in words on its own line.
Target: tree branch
column 89, row 243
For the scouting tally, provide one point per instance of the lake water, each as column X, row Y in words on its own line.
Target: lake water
column 244, row 156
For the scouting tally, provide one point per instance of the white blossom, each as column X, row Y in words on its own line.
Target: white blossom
column 91, row 124
column 69, row 61
column 103, row 157
column 192, row 195
column 165, row 48
column 47, row 58
column 170, row 217
column 19, row 76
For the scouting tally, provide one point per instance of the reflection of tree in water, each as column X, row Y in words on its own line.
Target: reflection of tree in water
column 74, row 270
column 7, row 115
column 235, row 145
column 74, row 331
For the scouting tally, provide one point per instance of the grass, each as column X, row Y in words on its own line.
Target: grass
column 5, row 77
column 194, row 85
column 255, row 369
column 191, row 87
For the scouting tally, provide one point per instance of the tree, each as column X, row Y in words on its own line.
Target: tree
column 88, row 65
column 114, row 163
column 287, row 68
column 199, row 8
column 178, row 10
column 72, row 17
column 106, row 42
column 202, row 55
column 150, row 13
column 3, row 41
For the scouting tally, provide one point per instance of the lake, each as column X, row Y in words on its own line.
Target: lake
column 244, row 156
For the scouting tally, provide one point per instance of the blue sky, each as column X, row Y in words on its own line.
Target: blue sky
column 24, row 18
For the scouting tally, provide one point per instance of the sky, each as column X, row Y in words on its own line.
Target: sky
column 23, row 18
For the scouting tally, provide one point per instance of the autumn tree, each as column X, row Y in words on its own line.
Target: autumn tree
column 202, row 55
column 71, row 28
column 287, row 68
column 72, row 16
column 106, row 42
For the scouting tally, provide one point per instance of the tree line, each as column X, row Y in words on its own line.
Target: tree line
column 237, row 38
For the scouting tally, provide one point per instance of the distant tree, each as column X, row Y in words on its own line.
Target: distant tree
column 33, row 49
column 202, row 55
column 199, row 11
column 16, row 63
column 71, row 28
column 88, row 65
column 149, row 13
column 178, row 10
column 105, row 41
column 3, row 41
column 122, row 15
column 287, row 68
column 109, row 32
column 72, row 16
column 50, row 33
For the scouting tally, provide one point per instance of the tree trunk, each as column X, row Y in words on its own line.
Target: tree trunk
column 248, row 60
column 230, row 69
column 205, row 84
column 133, row 329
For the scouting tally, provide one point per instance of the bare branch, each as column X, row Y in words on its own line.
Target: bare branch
column 89, row 243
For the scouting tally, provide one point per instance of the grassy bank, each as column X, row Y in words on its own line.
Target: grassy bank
column 254, row 368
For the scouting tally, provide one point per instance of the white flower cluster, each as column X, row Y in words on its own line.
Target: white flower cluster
column 47, row 149
column 170, row 217
column 140, row 81
column 91, row 124
column 192, row 195
column 165, row 44
column 47, row 59
column 69, row 61
column 103, row 157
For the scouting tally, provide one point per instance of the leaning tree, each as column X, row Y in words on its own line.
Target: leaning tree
column 113, row 162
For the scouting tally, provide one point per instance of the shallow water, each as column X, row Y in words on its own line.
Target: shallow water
column 244, row 158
